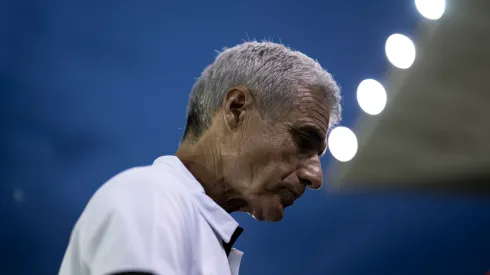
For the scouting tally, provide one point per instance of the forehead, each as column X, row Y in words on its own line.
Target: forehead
column 311, row 109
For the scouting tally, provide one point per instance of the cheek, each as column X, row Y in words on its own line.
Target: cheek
column 288, row 153
column 271, row 156
column 278, row 151
column 282, row 161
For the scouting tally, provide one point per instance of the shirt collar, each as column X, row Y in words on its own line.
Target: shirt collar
column 222, row 223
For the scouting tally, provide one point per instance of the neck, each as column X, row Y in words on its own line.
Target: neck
column 203, row 160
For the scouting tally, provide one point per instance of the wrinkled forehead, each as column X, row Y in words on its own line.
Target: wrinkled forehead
column 312, row 108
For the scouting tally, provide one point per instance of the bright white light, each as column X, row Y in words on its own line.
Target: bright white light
column 342, row 143
column 400, row 51
column 431, row 9
column 371, row 96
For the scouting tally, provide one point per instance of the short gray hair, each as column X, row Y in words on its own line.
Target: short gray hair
column 272, row 72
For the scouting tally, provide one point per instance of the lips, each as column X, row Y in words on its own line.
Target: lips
column 287, row 197
column 295, row 192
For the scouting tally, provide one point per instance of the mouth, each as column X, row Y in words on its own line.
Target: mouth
column 295, row 192
column 288, row 197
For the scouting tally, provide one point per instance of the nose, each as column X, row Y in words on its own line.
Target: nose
column 310, row 172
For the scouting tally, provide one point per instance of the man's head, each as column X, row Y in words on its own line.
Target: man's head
column 263, row 111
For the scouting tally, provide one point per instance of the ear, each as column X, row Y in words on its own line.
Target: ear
column 237, row 105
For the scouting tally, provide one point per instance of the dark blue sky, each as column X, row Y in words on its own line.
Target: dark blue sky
column 91, row 88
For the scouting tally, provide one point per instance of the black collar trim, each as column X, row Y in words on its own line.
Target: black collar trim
column 234, row 237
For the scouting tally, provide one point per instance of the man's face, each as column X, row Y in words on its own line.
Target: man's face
column 275, row 163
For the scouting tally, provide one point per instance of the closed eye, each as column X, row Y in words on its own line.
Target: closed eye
column 304, row 142
column 309, row 140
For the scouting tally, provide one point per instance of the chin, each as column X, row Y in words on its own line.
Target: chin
column 270, row 211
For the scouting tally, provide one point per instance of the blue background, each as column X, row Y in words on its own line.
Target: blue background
column 91, row 88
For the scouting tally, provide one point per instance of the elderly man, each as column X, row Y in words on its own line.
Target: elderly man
column 257, row 122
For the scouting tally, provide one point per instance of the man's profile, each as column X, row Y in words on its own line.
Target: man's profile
column 257, row 121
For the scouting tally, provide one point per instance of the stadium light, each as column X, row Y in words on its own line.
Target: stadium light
column 400, row 51
column 371, row 96
column 342, row 143
column 431, row 9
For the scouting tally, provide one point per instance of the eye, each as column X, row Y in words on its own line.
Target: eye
column 304, row 143
column 308, row 140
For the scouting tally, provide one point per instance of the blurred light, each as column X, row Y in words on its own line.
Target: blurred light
column 18, row 195
column 342, row 143
column 400, row 51
column 371, row 96
column 431, row 9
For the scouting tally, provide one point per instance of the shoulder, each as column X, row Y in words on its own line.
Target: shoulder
column 129, row 215
column 143, row 192
column 143, row 188
column 136, row 203
column 145, row 179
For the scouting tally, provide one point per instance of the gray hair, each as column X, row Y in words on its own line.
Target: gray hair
column 272, row 72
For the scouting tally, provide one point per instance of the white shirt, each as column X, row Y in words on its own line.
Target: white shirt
column 154, row 219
